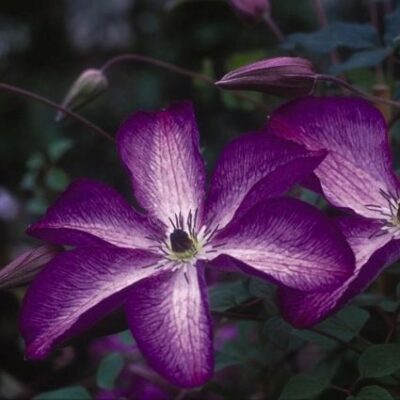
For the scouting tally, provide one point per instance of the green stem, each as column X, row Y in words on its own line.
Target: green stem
column 273, row 27
column 340, row 389
column 171, row 68
column 343, row 83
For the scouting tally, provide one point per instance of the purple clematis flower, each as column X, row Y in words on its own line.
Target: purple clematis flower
column 153, row 263
column 356, row 175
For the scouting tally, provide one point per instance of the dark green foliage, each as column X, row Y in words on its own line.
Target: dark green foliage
column 352, row 355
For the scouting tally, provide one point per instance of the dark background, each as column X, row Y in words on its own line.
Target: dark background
column 45, row 45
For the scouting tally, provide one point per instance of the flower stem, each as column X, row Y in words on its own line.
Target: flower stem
column 273, row 27
column 36, row 97
column 323, row 22
column 172, row 68
column 158, row 63
column 340, row 389
column 320, row 13
column 343, row 83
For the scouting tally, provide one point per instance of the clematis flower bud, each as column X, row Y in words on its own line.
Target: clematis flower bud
column 280, row 76
column 89, row 85
column 251, row 9
column 25, row 267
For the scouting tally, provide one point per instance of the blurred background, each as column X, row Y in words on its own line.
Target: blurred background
column 46, row 44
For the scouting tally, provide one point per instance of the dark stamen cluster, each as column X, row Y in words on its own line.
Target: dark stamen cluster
column 180, row 241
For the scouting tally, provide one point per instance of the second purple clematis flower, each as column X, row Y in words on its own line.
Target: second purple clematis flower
column 153, row 263
column 357, row 176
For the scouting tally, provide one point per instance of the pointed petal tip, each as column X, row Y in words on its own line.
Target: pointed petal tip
column 161, row 151
column 221, row 83
column 169, row 318
column 64, row 300
column 33, row 352
column 196, row 381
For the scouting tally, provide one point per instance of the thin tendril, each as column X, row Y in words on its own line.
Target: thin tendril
column 34, row 96
column 172, row 68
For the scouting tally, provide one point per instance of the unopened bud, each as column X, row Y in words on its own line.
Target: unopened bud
column 281, row 76
column 25, row 267
column 89, row 85
column 251, row 9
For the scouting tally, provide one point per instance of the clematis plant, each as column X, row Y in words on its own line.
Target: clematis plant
column 280, row 76
column 152, row 263
column 251, row 9
column 356, row 176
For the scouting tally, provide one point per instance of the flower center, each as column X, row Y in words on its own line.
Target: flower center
column 185, row 242
column 389, row 214
column 180, row 241
column 182, row 247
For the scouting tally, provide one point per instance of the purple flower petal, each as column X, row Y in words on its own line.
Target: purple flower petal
column 373, row 253
column 89, row 213
column 255, row 167
column 169, row 318
column 77, row 289
column 161, row 151
column 359, row 165
column 289, row 242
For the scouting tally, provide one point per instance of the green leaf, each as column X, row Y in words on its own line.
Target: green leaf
column 109, row 369
column 56, row 179
column 373, row 393
column 266, row 291
column 389, row 306
column 234, row 103
column 70, row 393
column 28, row 181
column 240, row 59
column 379, row 360
column 347, row 323
column 277, row 331
column 228, row 356
column 227, row 295
column 392, row 26
column 336, row 34
column 240, row 349
column 344, row 325
column 37, row 204
column 126, row 337
column 58, row 148
column 303, row 387
column 35, row 161
column 310, row 197
column 261, row 288
column 362, row 59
